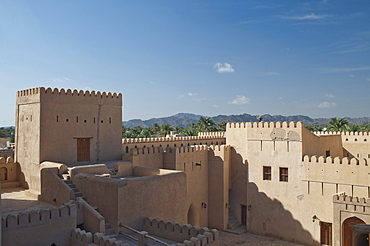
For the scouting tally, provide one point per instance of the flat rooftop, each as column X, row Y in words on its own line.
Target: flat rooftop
column 15, row 200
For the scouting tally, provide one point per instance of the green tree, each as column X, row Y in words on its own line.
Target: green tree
column 338, row 125
column 165, row 129
column 190, row 131
column 221, row 126
column 206, row 124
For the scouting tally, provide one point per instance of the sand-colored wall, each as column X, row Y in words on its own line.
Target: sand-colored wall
column 100, row 192
column 43, row 227
column 49, row 121
column 218, row 186
column 318, row 144
column 165, row 198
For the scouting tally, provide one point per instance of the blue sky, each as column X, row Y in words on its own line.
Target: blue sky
column 204, row 57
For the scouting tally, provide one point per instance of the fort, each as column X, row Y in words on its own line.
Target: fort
column 275, row 179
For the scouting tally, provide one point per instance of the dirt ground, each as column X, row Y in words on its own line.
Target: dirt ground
column 248, row 239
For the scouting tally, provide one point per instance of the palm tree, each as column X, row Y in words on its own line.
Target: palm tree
column 190, row 131
column 206, row 124
column 165, row 129
column 337, row 125
column 221, row 126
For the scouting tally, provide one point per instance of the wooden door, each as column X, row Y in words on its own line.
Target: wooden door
column 83, row 149
column 244, row 215
column 347, row 230
column 325, row 233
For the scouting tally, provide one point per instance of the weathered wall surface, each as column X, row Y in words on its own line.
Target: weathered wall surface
column 43, row 227
column 218, row 186
column 162, row 196
column 319, row 144
column 100, row 192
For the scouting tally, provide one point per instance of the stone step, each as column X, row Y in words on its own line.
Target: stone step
column 66, row 176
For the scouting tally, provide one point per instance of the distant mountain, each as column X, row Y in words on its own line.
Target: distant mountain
column 184, row 119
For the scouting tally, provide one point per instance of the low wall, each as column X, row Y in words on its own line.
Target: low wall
column 93, row 221
column 92, row 169
column 336, row 170
column 178, row 232
column 43, row 227
column 53, row 189
column 82, row 238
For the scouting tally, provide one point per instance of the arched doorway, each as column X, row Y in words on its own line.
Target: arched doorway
column 349, row 237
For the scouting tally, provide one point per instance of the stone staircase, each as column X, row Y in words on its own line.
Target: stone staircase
column 78, row 194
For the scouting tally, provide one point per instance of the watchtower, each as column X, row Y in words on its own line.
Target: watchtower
column 65, row 126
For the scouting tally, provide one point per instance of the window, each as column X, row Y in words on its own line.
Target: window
column 283, row 174
column 266, row 173
column 327, row 153
column 325, row 233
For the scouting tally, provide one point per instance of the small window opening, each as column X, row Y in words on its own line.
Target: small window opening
column 283, row 174
column 266, row 172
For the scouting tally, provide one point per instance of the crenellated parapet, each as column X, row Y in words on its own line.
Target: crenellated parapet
column 336, row 160
column 169, row 139
column 271, row 125
column 188, row 149
column 342, row 198
column 352, row 137
column 146, row 151
column 34, row 218
column 212, row 134
column 7, row 160
column 67, row 96
column 81, row 237
column 353, row 172
column 179, row 232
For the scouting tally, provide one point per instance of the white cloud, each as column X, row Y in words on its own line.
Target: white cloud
column 240, row 100
column 368, row 79
column 224, row 68
column 327, row 105
column 329, row 95
column 190, row 94
column 215, row 106
column 306, row 17
column 352, row 75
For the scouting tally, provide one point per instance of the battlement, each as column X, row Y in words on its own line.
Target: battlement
column 178, row 232
column 342, row 198
column 81, row 236
column 212, row 134
column 264, row 125
column 218, row 148
column 343, row 133
column 146, row 150
column 336, row 160
column 7, row 160
column 170, row 139
column 67, row 96
column 33, row 218
column 187, row 149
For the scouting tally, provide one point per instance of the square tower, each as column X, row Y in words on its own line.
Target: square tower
column 66, row 126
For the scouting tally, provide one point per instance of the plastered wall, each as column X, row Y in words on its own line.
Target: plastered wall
column 49, row 122
column 42, row 227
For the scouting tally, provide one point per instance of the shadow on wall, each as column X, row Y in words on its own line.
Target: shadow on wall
column 268, row 217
